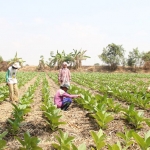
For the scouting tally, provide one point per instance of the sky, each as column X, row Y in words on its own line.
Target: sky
column 35, row 27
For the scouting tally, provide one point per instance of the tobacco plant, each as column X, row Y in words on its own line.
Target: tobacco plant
column 2, row 142
column 144, row 143
column 127, row 137
column 103, row 118
column 116, row 146
column 80, row 147
column 52, row 115
column 18, row 113
column 4, row 92
column 64, row 141
column 29, row 143
column 135, row 117
column 51, row 112
column 99, row 139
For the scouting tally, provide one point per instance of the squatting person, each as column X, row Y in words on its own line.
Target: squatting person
column 62, row 99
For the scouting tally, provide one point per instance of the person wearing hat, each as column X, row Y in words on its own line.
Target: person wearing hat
column 11, row 81
column 62, row 99
column 64, row 75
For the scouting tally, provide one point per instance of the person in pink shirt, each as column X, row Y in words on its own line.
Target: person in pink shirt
column 64, row 75
column 62, row 99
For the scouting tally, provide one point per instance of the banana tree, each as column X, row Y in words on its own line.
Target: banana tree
column 16, row 59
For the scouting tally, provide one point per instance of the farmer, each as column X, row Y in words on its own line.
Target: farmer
column 64, row 76
column 11, row 81
column 62, row 99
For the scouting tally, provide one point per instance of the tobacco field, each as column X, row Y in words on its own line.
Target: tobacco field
column 113, row 113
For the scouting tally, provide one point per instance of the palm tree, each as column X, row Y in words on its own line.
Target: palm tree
column 82, row 56
column 78, row 56
column 41, row 65
column 16, row 59
column 75, row 58
column 57, row 59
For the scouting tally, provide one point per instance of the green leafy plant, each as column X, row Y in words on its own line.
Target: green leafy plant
column 18, row 113
column 116, row 147
column 4, row 92
column 53, row 115
column 103, row 118
column 29, row 143
column 51, row 112
column 2, row 142
column 134, row 117
column 64, row 141
column 144, row 143
column 81, row 147
column 99, row 139
column 127, row 137
column 113, row 107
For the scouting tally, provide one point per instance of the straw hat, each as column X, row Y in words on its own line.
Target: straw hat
column 16, row 65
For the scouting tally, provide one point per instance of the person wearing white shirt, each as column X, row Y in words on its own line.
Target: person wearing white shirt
column 11, row 81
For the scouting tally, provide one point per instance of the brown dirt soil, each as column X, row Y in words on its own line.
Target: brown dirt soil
column 6, row 107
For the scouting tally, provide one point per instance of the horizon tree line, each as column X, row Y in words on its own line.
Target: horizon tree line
column 112, row 55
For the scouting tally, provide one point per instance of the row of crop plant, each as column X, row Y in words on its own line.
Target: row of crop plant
column 2, row 77
column 100, row 107
column 15, row 122
column 126, row 92
column 23, row 78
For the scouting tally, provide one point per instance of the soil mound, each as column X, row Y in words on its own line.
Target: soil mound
column 4, row 65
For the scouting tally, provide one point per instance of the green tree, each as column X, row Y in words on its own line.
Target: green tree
column 135, row 58
column 57, row 60
column 1, row 59
column 112, row 55
column 74, row 58
column 16, row 59
column 146, row 56
column 41, row 65
column 146, row 59
column 78, row 57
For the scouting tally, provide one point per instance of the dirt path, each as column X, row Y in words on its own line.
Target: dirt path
column 6, row 107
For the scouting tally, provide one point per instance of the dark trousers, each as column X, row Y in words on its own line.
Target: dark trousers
column 66, row 103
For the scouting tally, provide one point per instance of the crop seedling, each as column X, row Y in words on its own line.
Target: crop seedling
column 113, row 107
column 103, row 118
column 144, row 143
column 81, row 147
column 29, row 143
column 127, row 137
column 52, row 115
column 2, row 142
column 64, row 141
column 116, row 147
column 99, row 139
column 134, row 117
column 18, row 113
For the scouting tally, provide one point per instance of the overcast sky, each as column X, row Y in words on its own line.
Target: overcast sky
column 36, row 27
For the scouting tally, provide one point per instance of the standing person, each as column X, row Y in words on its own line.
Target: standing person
column 64, row 76
column 62, row 99
column 12, row 81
